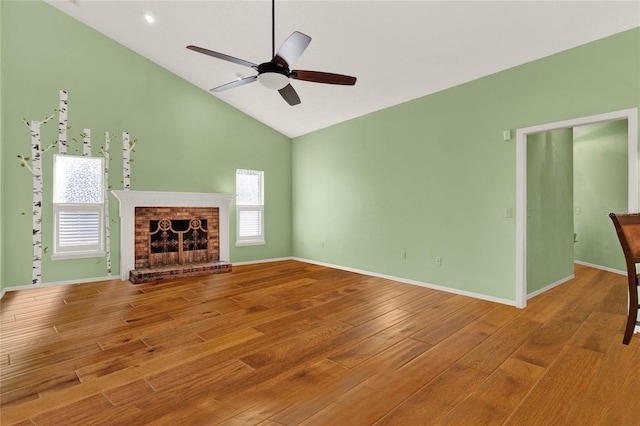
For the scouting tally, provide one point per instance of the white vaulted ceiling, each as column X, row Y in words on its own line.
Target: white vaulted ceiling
column 399, row 50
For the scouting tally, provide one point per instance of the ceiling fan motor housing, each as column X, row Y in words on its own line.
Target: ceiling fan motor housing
column 273, row 75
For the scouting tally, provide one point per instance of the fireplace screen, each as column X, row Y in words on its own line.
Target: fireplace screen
column 176, row 235
column 173, row 241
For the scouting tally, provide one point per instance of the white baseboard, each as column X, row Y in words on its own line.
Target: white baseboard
column 603, row 268
column 57, row 283
column 413, row 282
column 253, row 262
column 329, row 265
column 114, row 277
column 550, row 286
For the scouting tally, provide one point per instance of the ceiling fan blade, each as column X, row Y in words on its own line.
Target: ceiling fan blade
column 236, row 83
column 289, row 94
column 323, row 77
column 222, row 56
column 291, row 49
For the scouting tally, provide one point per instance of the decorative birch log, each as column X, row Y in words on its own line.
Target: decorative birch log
column 107, row 227
column 36, row 171
column 86, row 143
column 36, row 167
column 62, row 123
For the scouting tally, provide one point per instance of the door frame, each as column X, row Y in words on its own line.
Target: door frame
column 631, row 115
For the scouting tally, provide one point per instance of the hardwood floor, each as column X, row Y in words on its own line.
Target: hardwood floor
column 292, row 343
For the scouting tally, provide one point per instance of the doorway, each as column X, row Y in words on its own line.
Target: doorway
column 631, row 115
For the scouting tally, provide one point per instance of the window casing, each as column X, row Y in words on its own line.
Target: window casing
column 78, row 207
column 249, row 207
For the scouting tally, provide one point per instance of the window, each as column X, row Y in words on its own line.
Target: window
column 78, row 207
column 249, row 207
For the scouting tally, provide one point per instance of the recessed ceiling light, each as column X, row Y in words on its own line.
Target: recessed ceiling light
column 150, row 19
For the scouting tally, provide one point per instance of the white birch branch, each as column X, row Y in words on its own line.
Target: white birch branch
column 86, row 143
column 126, row 162
column 43, row 150
column 47, row 119
column 24, row 163
column 62, row 122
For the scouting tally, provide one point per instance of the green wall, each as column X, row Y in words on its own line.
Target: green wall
column 600, row 179
column 433, row 176
column 549, row 208
column 187, row 139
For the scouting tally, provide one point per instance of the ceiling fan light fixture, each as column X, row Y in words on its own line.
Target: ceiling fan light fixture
column 273, row 80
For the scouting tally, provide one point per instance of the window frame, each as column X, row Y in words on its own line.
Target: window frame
column 78, row 251
column 252, row 240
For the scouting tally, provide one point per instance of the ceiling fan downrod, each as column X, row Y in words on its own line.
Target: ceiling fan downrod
column 273, row 28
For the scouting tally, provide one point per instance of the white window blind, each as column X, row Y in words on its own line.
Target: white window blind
column 251, row 223
column 78, row 206
column 249, row 207
column 78, row 228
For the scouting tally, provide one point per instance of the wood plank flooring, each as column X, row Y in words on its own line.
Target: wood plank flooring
column 290, row 343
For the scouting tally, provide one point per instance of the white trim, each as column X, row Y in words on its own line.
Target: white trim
column 111, row 278
column 631, row 115
column 89, row 280
column 602, row 268
column 60, row 174
column 129, row 200
column 413, row 282
column 550, row 286
column 251, row 240
column 78, row 255
column 253, row 262
column 313, row 262
column 54, row 284
column 245, row 243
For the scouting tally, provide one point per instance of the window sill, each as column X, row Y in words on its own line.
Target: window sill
column 77, row 255
column 250, row 243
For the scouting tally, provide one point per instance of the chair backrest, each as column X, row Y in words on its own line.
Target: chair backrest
column 628, row 230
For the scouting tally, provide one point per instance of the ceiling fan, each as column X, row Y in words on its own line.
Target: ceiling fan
column 276, row 73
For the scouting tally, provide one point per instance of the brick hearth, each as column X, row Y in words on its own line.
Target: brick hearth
column 168, row 272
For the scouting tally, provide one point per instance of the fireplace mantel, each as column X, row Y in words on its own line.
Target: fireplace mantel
column 129, row 200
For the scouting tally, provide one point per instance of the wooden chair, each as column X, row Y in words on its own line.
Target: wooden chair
column 628, row 230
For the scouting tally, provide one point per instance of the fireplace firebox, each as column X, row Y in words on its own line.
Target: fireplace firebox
column 176, row 235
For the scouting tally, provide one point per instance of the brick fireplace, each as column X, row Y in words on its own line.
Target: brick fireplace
column 171, row 234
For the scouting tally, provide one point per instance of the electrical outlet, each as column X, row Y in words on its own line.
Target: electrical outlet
column 438, row 261
column 323, row 244
column 403, row 255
